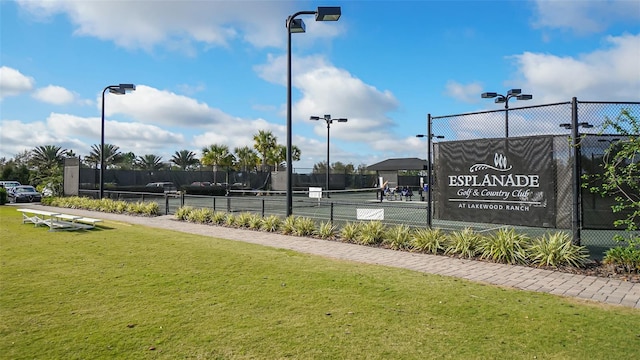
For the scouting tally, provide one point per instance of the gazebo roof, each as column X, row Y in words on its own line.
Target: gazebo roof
column 399, row 164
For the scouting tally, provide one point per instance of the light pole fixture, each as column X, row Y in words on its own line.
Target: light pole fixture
column 297, row 26
column 513, row 93
column 328, row 120
column 568, row 126
column 429, row 137
column 120, row 89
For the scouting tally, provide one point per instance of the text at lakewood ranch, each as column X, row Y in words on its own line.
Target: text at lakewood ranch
column 499, row 181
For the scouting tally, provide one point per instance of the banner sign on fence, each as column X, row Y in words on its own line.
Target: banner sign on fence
column 501, row 181
column 315, row 192
column 370, row 214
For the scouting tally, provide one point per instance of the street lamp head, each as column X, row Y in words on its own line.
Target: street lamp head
column 500, row 99
column 328, row 13
column 121, row 89
column 126, row 87
column 566, row 126
column 296, row 26
column 585, row 125
column 316, row 118
column 489, row 95
column 432, row 136
column 514, row 92
column 524, row 97
column 342, row 120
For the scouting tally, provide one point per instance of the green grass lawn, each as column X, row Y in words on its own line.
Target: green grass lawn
column 132, row 292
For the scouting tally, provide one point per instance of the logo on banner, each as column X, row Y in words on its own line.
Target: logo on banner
column 499, row 160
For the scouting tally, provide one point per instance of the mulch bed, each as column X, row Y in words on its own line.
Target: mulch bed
column 597, row 268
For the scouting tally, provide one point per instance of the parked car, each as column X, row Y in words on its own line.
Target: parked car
column 23, row 193
column 168, row 187
column 9, row 184
column 201, row 183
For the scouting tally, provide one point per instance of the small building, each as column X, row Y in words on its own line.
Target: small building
column 388, row 169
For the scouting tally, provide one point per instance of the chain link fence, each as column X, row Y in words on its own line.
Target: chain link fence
column 577, row 141
column 550, row 147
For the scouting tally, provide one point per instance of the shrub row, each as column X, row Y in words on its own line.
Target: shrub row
column 503, row 246
column 104, row 205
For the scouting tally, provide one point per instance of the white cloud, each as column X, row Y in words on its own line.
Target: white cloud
column 13, row 82
column 149, row 105
column 177, row 25
column 610, row 74
column 585, row 17
column 326, row 89
column 56, row 95
column 463, row 92
column 13, row 134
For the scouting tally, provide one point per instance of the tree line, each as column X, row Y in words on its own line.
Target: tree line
column 43, row 165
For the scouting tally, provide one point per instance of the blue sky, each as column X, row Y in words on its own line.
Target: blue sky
column 215, row 71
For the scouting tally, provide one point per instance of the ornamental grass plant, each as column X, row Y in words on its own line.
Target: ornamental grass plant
column 398, row 237
column 304, row 226
column 271, row 223
column 463, row 243
column 556, row 249
column 371, row 233
column 431, row 241
column 327, row 230
column 200, row 216
column 505, row 246
column 350, row 232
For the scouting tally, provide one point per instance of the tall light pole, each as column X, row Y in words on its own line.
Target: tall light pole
column 297, row 26
column 120, row 89
column 513, row 93
column 329, row 120
column 429, row 137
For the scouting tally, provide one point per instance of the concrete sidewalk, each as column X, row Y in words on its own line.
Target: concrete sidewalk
column 610, row 291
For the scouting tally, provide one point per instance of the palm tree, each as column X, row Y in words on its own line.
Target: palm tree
column 70, row 153
column 47, row 157
column 150, row 162
column 112, row 155
column 264, row 142
column 217, row 155
column 47, row 161
column 320, row 167
column 127, row 161
column 184, row 159
column 246, row 158
column 279, row 155
column 341, row 168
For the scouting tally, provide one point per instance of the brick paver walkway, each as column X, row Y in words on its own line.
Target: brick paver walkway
column 611, row 291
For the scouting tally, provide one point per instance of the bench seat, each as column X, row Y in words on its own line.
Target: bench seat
column 57, row 221
column 66, row 225
column 84, row 222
